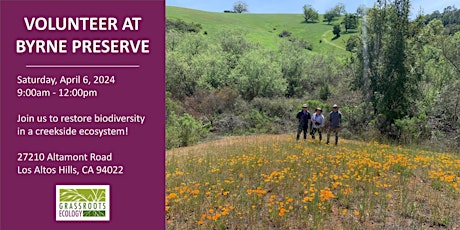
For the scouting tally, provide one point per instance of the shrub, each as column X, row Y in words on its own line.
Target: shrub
column 285, row 33
column 230, row 124
column 336, row 30
column 357, row 119
column 313, row 104
column 324, row 92
column 301, row 43
column 183, row 130
column 259, row 77
column 261, row 115
column 209, row 103
column 276, row 107
column 182, row 26
column 413, row 130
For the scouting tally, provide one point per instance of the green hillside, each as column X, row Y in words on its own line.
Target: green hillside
column 265, row 28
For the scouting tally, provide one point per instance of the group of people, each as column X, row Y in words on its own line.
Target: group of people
column 317, row 123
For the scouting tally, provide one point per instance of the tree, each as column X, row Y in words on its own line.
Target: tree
column 293, row 65
column 309, row 13
column 330, row 15
column 234, row 44
column 350, row 21
column 352, row 44
column 361, row 10
column 450, row 16
column 435, row 15
column 240, row 7
column 259, row 77
column 384, row 78
column 450, row 51
column 188, row 63
column 336, row 30
column 340, row 9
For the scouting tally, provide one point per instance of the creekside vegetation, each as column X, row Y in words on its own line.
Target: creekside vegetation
column 395, row 80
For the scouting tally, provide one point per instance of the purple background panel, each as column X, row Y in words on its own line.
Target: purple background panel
column 137, row 197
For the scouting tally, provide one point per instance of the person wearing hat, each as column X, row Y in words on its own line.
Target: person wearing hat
column 303, row 116
column 317, row 122
column 335, row 123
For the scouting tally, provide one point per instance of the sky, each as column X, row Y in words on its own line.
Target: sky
column 295, row 6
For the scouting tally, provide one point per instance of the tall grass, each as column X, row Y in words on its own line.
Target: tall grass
column 275, row 182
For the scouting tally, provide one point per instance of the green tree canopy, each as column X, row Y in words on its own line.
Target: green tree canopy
column 384, row 77
column 336, row 30
column 350, row 21
column 330, row 15
column 361, row 10
column 310, row 14
column 340, row 9
column 259, row 77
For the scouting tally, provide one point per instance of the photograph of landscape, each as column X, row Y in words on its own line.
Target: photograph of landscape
column 244, row 77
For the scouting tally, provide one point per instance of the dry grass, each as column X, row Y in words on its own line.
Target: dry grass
column 275, row 182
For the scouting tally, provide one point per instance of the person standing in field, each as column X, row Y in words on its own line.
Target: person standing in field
column 304, row 117
column 335, row 123
column 317, row 122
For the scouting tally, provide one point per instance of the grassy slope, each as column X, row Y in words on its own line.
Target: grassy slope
column 260, row 27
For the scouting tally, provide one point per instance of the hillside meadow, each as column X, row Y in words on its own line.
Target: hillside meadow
column 275, row 182
column 265, row 28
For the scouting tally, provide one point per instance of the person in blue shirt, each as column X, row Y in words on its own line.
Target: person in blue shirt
column 335, row 123
column 317, row 121
column 304, row 117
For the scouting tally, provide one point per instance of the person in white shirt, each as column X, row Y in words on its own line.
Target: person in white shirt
column 317, row 121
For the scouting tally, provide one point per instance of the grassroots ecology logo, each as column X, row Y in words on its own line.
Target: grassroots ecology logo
column 82, row 202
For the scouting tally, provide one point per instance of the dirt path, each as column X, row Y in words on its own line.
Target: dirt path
column 323, row 37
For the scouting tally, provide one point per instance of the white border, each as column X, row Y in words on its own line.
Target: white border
column 107, row 203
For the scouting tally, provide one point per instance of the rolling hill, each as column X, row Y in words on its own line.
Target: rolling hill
column 265, row 28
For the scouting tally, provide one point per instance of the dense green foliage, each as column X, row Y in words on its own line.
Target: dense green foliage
column 310, row 14
column 330, row 15
column 383, row 74
column 334, row 13
column 182, row 130
column 361, row 10
column 399, row 81
column 450, row 18
column 336, row 30
column 407, row 73
column 181, row 26
column 350, row 21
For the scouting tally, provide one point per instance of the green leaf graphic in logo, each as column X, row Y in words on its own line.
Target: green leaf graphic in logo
column 82, row 195
column 93, row 213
